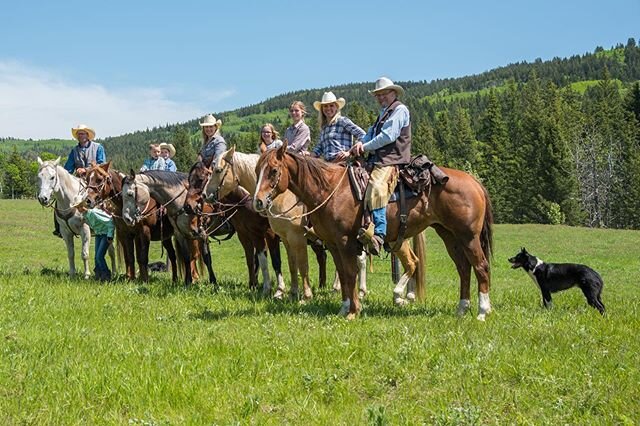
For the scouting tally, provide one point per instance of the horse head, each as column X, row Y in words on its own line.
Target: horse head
column 48, row 180
column 273, row 178
column 222, row 179
column 135, row 199
column 99, row 183
column 198, row 176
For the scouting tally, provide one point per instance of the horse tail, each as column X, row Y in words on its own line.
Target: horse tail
column 486, row 235
column 420, row 252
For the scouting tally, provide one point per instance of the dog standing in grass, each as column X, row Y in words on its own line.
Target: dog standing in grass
column 554, row 277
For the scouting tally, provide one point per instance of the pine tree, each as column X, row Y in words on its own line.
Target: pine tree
column 185, row 153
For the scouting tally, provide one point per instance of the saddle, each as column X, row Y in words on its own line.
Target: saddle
column 414, row 179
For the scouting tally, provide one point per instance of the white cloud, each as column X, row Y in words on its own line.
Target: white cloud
column 38, row 105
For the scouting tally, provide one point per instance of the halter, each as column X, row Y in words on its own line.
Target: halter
column 224, row 170
column 138, row 216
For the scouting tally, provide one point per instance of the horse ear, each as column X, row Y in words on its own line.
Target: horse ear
column 132, row 174
column 107, row 165
column 282, row 150
column 230, row 152
column 55, row 163
column 40, row 162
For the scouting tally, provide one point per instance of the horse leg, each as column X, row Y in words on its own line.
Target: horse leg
column 71, row 252
column 143, row 240
column 273, row 242
column 302, row 264
column 349, row 271
column 362, row 274
column 463, row 267
column 249, row 251
column 410, row 263
column 126, row 250
column 336, row 282
column 171, row 254
column 259, row 245
column 206, row 256
column 85, row 237
column 293, row 272
column 321, row 257
column 185, row 249
column 112, row 254
column 480, row 265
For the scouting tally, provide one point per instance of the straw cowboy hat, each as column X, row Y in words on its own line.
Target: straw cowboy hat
column 210, row 120
column 329, row 98
column 85, row 128
column 383, row 83
column 170, row 147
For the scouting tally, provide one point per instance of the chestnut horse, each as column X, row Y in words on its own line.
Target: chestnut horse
column 104, row 185
column 233, row 169
column 253, row 230
column 460, row 211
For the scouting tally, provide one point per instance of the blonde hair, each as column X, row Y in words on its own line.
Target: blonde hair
column 274, row 136
column 300, row 105
column 205, row 139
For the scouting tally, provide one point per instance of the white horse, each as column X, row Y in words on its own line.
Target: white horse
column 58, row 189
column 287, row 217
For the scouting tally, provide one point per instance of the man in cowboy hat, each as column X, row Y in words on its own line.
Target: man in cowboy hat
column 389, row 142
column 87, row 151
column 81, row 157
column 213, row 144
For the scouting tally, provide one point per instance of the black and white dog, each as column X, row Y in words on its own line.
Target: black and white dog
column 554, row 277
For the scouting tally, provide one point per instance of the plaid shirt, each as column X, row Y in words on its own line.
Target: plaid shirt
column 337, row 137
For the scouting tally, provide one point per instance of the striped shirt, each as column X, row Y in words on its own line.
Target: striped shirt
column 337, row 137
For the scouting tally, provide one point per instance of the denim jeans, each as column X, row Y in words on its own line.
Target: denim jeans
column 379, row 217
column 101, row 270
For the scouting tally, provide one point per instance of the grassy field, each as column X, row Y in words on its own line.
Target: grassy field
column 79, row 352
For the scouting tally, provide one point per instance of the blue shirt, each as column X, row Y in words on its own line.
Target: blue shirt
column 337, row 137
column 390, row 129
column 170, row 165
column 153, row 164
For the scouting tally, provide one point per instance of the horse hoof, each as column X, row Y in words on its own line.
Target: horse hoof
column 399, row 301
column 351, row 316
column 362, row 294
column 411, row 297
column 279, row 295
column 481, row 317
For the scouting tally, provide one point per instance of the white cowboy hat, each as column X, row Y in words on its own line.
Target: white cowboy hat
column 170, row 147
column 84, row 128
column 210, row 120
column 329, row 98
column 383, row 83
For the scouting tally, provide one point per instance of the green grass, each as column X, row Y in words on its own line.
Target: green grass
column 79, row 352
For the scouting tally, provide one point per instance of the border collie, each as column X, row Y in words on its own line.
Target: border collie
column 554, row 277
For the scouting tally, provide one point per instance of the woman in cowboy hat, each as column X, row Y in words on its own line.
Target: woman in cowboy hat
column 213, row 144
column 268, row 138
column 167, row 151
column 298, row 134
column 336, row 131
column 86, row 152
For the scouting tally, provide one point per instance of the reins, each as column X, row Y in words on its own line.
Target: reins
column 300, row 216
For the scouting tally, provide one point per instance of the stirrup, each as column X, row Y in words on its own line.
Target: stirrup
column 310, row 234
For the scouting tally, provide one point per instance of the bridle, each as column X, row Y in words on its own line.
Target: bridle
column 224, row 170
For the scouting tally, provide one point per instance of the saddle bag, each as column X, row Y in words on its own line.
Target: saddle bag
column 420, row 172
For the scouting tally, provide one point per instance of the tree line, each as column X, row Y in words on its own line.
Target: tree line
column 554, row 142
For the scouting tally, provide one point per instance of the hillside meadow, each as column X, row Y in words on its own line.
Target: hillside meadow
column 79, row 352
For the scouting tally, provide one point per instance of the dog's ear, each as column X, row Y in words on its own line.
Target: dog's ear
column 524, row 250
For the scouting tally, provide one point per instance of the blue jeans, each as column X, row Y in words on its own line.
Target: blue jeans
column 379, row 217
column 102, row 270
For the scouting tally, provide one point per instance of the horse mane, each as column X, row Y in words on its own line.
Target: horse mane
column 245, row 164
column 166, row 178
column 315, row 169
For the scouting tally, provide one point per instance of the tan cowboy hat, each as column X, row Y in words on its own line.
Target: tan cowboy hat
column 83, row 127
column 170, row 147
column 383, row 83
column 210, row 120
column 329, row 98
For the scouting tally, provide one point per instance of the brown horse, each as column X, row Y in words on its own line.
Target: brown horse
column 460, row 211
column 104, row 185
column 253, row 230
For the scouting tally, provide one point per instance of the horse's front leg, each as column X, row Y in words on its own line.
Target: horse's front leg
column 67, row 236
column 112, row 254
column 85, row 237
column 206, row 251
column 362, row 274
column 302, row 264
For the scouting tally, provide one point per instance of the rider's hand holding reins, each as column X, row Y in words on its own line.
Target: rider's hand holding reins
column 357, row 149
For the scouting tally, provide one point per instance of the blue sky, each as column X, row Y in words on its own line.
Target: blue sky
column 121, row 66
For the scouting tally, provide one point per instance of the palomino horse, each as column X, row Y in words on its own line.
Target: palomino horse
column 233, row 169
column 460, row 211
column 104, row 185
column 253, row 230
column 57, row 186
column 169, row 190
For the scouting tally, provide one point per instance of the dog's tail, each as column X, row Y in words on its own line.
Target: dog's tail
column 486, row 235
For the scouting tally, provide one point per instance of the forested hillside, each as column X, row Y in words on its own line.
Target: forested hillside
column 553, row 141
